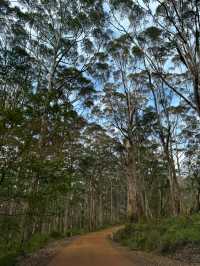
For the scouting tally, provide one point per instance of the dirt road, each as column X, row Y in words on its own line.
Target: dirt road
column 96, row 249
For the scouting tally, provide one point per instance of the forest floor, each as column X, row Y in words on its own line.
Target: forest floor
column 95, row 249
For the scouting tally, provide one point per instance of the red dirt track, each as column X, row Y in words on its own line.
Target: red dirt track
column 96, row 249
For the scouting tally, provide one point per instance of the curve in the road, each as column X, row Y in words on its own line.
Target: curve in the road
column 96, row 249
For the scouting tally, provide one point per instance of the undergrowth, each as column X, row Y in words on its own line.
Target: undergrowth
column 164, row 236
column 9, row 255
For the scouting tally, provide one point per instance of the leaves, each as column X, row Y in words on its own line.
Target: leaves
column 153, row 33
column 137, row 51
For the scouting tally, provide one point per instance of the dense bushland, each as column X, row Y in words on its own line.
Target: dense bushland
column 163, row 236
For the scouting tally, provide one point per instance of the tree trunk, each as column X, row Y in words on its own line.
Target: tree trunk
column 135, row 208
column 175, row 196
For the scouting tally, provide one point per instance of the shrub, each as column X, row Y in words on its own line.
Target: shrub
column 165, row 235
column 56, row 235
column 8, row 260
column 36, row 242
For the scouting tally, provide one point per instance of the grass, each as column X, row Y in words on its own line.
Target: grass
column 164, row 236
column 36, row 242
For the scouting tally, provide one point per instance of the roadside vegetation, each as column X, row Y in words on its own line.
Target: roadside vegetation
column 9, row 256
column 164, row 236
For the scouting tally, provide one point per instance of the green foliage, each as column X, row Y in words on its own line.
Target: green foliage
column 153, row 33
column 137, row 51
column 8, row 260
column 161, row 235
column 36, row 242
column 75, row 232
column 56, row 235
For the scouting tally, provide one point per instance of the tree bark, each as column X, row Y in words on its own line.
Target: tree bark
column 135, row 208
